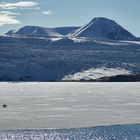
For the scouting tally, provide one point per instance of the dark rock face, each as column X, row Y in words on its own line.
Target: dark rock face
column 4, row 106
column 124, row 78
column 118, row 78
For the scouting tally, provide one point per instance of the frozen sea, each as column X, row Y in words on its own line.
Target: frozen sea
column 48, row 110
column 68, row 105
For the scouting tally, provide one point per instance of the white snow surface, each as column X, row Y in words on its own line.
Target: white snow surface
column 56, row 39
column 133, row 42
column 68, row 105
column 79, row 39
column 95, row 73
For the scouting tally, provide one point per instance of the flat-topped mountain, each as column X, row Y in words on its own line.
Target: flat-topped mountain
column 36, row 31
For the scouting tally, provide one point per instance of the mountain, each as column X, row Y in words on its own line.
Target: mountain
column 103, row 28
column 34, row 31
column 35, row 53
column 99, row 28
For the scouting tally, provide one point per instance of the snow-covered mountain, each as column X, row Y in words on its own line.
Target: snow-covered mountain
column 35, row 53
column 103, row 28
column 34, row 31
column 98, row 28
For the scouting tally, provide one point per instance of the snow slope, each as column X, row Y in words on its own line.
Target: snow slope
column 96, row 73
column 103, row 28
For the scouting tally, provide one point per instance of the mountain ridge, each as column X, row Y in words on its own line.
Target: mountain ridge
column 99, row 28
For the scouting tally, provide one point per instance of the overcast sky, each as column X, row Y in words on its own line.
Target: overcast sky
column 51, row 13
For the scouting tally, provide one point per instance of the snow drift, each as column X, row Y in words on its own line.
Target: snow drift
column 96, row 73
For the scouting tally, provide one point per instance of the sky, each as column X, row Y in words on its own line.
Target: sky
column 15, row 14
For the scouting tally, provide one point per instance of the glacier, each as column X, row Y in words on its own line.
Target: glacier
column 34, row 59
